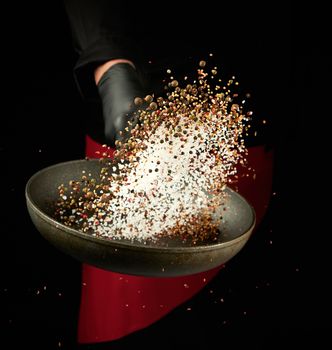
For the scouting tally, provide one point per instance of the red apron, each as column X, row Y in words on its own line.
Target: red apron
column 114, row 305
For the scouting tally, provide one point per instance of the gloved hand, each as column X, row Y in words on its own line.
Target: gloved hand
column 118, row 88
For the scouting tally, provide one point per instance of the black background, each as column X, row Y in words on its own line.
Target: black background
column 275, row 291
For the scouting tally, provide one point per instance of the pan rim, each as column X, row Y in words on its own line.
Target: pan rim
column 120, row 244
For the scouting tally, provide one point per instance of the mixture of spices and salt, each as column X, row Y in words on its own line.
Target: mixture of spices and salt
column 168, row 177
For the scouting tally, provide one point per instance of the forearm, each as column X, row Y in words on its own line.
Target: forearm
column 99, row 37
column 100, row 70
column 93, row 20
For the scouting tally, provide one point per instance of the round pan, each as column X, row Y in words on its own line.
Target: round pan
column 164, row 258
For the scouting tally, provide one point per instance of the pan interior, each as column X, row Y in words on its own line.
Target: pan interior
column 42, row 191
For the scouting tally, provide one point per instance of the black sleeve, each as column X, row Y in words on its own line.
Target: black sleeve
column 101, row 32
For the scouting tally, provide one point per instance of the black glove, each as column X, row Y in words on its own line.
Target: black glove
column 118, row 87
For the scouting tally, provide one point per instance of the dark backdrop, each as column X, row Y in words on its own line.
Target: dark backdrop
column 275, row 291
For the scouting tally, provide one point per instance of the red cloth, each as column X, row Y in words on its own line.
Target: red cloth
column 114, row 305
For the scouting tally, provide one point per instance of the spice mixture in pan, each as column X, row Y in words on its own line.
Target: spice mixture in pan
column 170, row 170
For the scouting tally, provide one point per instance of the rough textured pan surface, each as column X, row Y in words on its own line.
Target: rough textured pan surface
column 164, row 258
